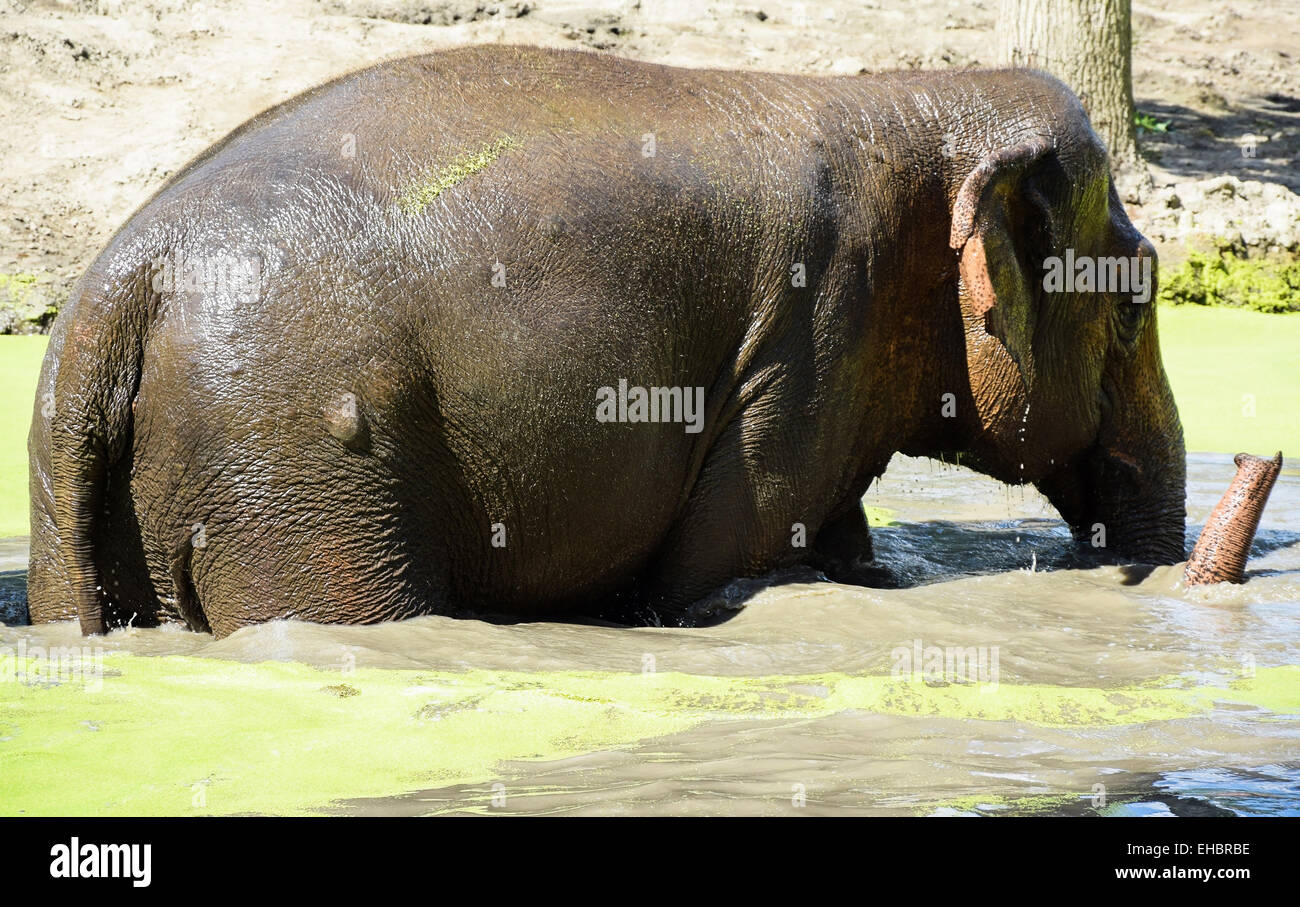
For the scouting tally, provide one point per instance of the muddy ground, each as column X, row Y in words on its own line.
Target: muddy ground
column 102, row 101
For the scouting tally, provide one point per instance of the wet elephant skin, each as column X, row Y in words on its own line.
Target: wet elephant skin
column 1220, row 553
column 345, row 366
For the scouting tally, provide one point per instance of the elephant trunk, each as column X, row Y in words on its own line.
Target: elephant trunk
column 1221, row 551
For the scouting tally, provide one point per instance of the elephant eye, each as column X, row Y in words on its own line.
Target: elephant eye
column 1130, row 318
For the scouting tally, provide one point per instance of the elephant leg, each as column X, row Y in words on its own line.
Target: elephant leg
column 842, row 549
column 729, row 531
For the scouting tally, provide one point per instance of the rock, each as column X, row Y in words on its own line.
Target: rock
column 25, row 306
column 1223, row 210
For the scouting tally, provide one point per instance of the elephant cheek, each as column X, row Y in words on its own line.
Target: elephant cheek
column 1116, row 504
column 1066, row 489
column 1146, row 526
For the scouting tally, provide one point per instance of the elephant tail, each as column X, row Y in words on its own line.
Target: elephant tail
column 90, row 420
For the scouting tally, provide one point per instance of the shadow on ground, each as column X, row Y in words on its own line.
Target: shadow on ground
column 1200, row 146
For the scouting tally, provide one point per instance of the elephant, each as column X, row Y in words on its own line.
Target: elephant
column 423, row 339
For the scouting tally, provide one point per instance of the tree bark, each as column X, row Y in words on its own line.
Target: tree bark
column 1087, row 44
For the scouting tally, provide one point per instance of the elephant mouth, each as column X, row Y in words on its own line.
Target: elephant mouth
column 1118, row 509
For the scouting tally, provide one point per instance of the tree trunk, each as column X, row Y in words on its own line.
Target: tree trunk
column 1087, row 44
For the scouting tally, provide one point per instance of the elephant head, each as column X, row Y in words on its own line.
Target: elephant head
column 1057, row 294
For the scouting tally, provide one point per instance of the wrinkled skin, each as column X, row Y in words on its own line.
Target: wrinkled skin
column 1220, row 553
column 195, row 455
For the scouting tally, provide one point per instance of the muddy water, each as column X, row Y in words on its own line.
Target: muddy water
column 973, row 564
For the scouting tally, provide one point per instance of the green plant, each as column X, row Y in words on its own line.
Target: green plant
column 1147, row 123
column 1262, row 284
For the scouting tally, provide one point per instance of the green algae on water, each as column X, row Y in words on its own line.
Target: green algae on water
column 880, row 516
column 419, row 196
column 182, row 735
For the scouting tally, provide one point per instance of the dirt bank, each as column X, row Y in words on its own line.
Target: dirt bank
column 104, row 100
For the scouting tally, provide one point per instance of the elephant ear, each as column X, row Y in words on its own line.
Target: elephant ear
column 993, row 214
